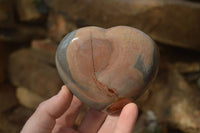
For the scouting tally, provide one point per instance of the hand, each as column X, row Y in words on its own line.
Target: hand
column 57, row 115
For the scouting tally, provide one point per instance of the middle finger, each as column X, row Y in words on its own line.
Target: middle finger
column 69, row 117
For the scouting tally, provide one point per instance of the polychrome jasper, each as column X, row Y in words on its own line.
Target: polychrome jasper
column 107, row 68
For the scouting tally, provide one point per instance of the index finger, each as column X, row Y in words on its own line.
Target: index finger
column 44, row 118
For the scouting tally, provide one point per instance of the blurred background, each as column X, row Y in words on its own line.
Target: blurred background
column 30, row 31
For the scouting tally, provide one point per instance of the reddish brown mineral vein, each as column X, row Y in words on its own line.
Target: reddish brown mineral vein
column 92, row 55
column 101, row 86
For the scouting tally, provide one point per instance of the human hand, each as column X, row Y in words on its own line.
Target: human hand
column 58, row 114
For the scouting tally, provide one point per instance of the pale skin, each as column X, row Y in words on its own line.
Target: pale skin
column 58, row 114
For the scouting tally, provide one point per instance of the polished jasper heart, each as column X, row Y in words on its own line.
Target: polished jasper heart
column 107, row 68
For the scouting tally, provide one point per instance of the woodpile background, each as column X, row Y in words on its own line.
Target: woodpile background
column 30, row 31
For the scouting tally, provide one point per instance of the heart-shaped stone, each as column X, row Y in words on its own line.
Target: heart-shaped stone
column 107, row 68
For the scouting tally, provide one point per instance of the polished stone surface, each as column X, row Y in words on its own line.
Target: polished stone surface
column 107, row 68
